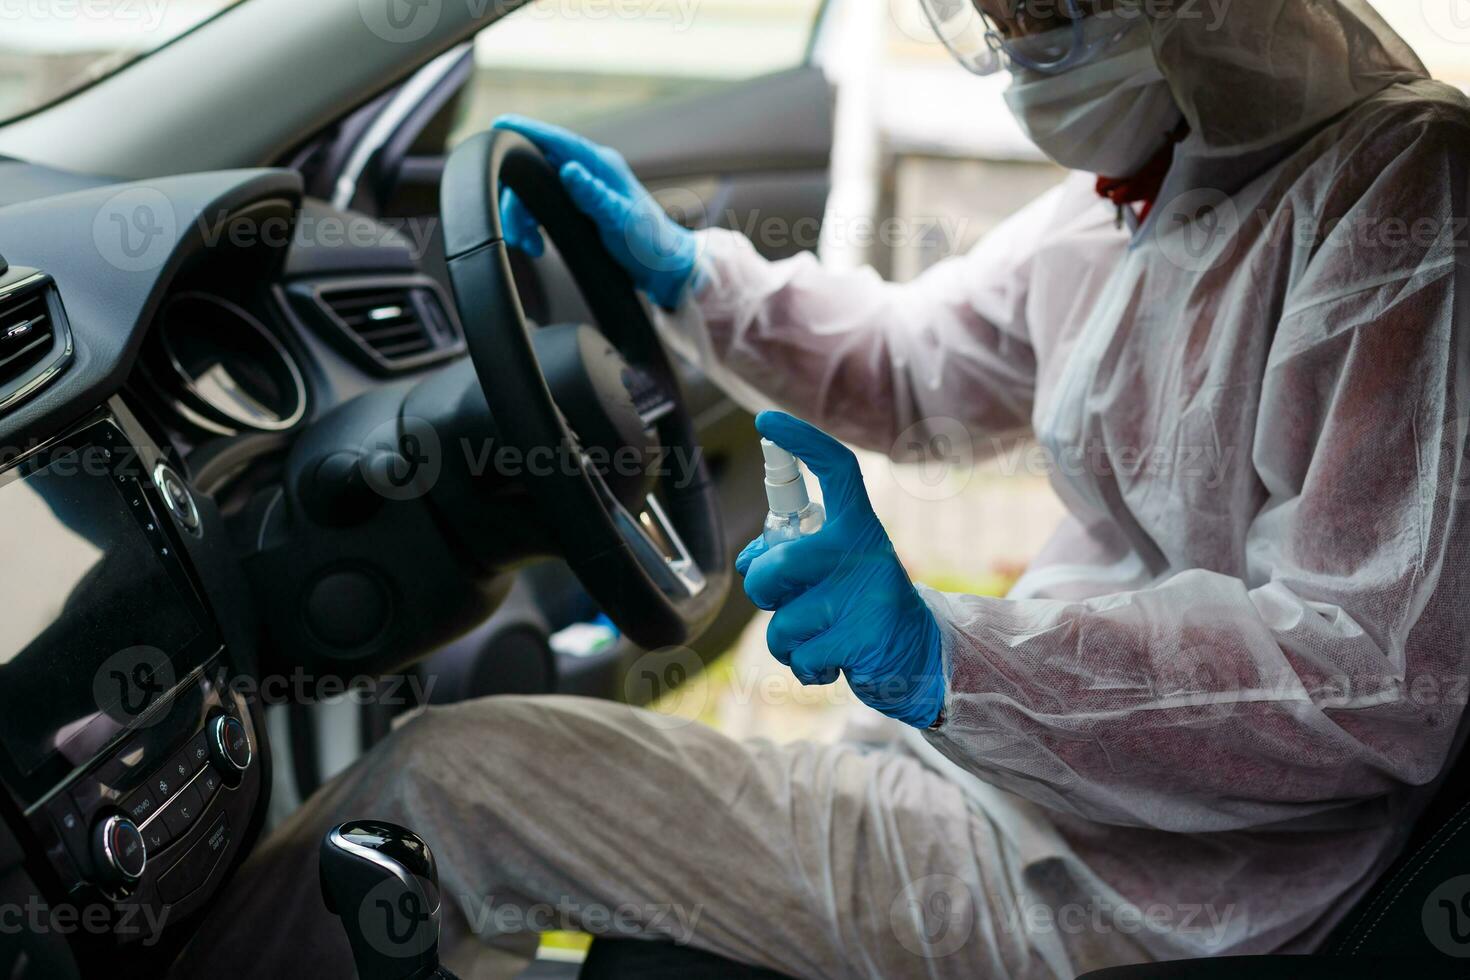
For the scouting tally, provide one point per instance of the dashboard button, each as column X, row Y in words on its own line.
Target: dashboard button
column 73, row 828
column 139, row 804
column 176, row 497
column 183, row 811
column 156, row 835
column 230, row 746
column 180, row 769
column 208, row 783
column 166, row 782
column 118, row 852
column 194, row 869
column 197, row 751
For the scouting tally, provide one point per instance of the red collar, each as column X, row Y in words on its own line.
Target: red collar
column 1143, row 187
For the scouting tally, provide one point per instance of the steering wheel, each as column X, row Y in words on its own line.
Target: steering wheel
column 651, row 552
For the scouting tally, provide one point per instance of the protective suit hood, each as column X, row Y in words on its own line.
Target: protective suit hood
column 1257, row 78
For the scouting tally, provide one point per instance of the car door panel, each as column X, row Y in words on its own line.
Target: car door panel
column 754, row 157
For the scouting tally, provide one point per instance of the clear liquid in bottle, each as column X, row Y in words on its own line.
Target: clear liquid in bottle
column 789, row 527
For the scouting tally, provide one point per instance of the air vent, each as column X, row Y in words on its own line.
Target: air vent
column 34, row 340
column 390, row 324
column 26, row 333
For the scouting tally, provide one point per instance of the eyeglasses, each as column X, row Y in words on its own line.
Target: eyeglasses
column 1048, row 36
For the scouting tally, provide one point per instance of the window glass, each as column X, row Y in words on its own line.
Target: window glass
column 571, row 61
column 50, row 49
column 1438, row 31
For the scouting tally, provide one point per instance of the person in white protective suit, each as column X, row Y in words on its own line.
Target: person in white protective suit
column 1203, row 721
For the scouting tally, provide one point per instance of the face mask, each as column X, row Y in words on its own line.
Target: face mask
column 1108, row 117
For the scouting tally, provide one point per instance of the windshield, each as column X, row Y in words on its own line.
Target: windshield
column 51, row 48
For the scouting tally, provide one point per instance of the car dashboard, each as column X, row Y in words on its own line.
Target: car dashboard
column 160, row 343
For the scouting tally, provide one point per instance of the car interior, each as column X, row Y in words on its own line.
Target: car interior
column 272, row 389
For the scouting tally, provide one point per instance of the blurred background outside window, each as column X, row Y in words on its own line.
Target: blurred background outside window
column 50, row 48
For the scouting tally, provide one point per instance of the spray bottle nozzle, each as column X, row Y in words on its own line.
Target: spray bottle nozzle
column 780, row 465
column 785, row 488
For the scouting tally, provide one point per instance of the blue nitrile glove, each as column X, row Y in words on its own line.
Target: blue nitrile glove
column 842, row 598
column 659, row 254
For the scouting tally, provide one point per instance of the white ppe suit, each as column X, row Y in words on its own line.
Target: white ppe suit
column 1244, row 650
column 1204, row 719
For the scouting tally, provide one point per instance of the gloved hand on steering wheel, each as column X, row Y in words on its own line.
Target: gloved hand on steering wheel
column 659, row 254
column 842, row 599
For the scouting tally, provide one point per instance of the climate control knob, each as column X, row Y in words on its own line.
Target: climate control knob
column 229, row 747
column 119, row 854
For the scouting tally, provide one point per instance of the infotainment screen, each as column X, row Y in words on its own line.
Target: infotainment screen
column 92, row 612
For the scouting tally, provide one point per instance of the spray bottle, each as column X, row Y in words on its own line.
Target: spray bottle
column 793, row 512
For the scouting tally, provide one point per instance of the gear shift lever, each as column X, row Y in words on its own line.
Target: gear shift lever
column 380, row 880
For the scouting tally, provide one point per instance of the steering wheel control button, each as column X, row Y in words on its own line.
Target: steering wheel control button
column 230, row 745
column 194, row 869
column 176, row 497
column 118, row 851
column 139, row 805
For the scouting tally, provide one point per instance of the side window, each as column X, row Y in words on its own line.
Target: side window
column 570, row 61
